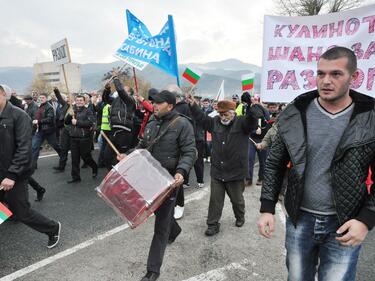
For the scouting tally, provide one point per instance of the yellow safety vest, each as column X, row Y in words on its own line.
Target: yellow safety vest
column 105, row 119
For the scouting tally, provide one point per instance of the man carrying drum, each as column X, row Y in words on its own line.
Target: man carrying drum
column 169, row 137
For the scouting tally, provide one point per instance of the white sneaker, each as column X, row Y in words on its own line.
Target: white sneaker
column 200, row 185
column 178, row 212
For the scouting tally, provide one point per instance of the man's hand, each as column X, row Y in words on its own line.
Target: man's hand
column 259, row 146
column 121, row 157
column 7, row 184
column 266, row 225
column 35, row 122
column 178, row 180
column 356, row 232
column 258, row 131
column 74, row 121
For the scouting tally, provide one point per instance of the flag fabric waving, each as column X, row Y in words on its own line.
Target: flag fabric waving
column 158, row 50
column 192, row 75
column 4, row 213
column 247, row 81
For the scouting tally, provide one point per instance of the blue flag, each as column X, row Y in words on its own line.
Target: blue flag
column 159, row 50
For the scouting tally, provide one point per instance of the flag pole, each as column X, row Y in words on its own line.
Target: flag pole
column 110, row 143
column 135, row 81
column 70, row 109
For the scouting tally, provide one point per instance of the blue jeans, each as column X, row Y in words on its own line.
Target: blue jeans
column 312, row 248
column 38, row 140
column 262, row 156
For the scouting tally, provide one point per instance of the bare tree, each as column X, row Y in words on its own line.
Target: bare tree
column 314, row 7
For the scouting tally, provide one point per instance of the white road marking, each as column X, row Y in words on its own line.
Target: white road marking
column 219, row 274
column 22, row 272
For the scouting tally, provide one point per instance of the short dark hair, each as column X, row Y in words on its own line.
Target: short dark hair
column 80, row 96
column 44, row 94
column 339, row 52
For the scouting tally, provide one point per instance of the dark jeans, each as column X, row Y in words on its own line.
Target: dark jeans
column 38, row 140
column 165, row 228
column 122, row 140
column 199, row 164
column 262, row 156
column 180, row 197
column 17, row 200
column 65, row 147
column 235, row 190
column 81, row 148
column 102, row 145
column 312, row 248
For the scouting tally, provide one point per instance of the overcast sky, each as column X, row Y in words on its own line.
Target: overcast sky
column 207, row 30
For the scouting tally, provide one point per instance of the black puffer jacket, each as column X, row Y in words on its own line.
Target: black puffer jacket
column 46, row 122
column 175, row 150
column 229, row 160
column 85, row 122
column 354, row 155
column 15, row 143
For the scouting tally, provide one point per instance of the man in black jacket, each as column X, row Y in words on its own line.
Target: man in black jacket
column 121, row 120
column 80, row 132
column 230, row 135
column 16, row 166
column 44, row 124
column 328, row 136
column 169, row 137
column 64, row 130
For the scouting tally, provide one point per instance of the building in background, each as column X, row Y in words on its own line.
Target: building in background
column 52, row 75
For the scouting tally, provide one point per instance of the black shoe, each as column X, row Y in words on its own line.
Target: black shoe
column 84, row 166
column 212, row 230
column 54, row 238
column 40, row 193
column 74, row 180
column 240, row 222
column 94, row 173
column 59, row 169
column 172, row 239
column 150, row 276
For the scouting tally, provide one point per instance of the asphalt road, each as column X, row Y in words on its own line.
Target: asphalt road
column 97, row 245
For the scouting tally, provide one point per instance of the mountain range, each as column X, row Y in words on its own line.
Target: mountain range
column 230, row 70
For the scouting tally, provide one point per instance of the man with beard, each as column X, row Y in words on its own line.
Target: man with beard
column 230, row 137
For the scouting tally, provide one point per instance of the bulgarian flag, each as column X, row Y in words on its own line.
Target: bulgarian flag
column 4, row 213
column 192, row 75
column 247, row 81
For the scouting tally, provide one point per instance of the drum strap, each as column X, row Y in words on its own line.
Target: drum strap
column 155, row 140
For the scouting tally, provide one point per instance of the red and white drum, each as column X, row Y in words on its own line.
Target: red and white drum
column 136, row 187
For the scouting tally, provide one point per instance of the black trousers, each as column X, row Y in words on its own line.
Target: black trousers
column 235, row 190
column 165, row 228
column 199, row 164
column 17, row 200
column 34, row 184
column 65, row 147
column 81, row 148
column 122, row 140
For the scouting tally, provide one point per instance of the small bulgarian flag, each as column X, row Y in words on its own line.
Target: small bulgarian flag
column 4, row 213
column 247, row 81
column 192, row 75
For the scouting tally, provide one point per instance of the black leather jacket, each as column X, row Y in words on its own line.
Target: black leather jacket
column 15, row 143
column 175, row 150
column 46, row 123
column 354, row 155
column 85, row 122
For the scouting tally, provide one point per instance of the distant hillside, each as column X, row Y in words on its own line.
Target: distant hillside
column 229, row 70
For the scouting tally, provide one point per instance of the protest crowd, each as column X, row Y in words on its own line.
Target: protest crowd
column 315, row 156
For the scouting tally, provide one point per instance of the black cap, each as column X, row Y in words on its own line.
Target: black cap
column 165, row 96
column 152, row 93
column 28, row 97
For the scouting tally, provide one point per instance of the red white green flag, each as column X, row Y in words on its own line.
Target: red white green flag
column 247, row 81
column 4, row 213
column 192, row 75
